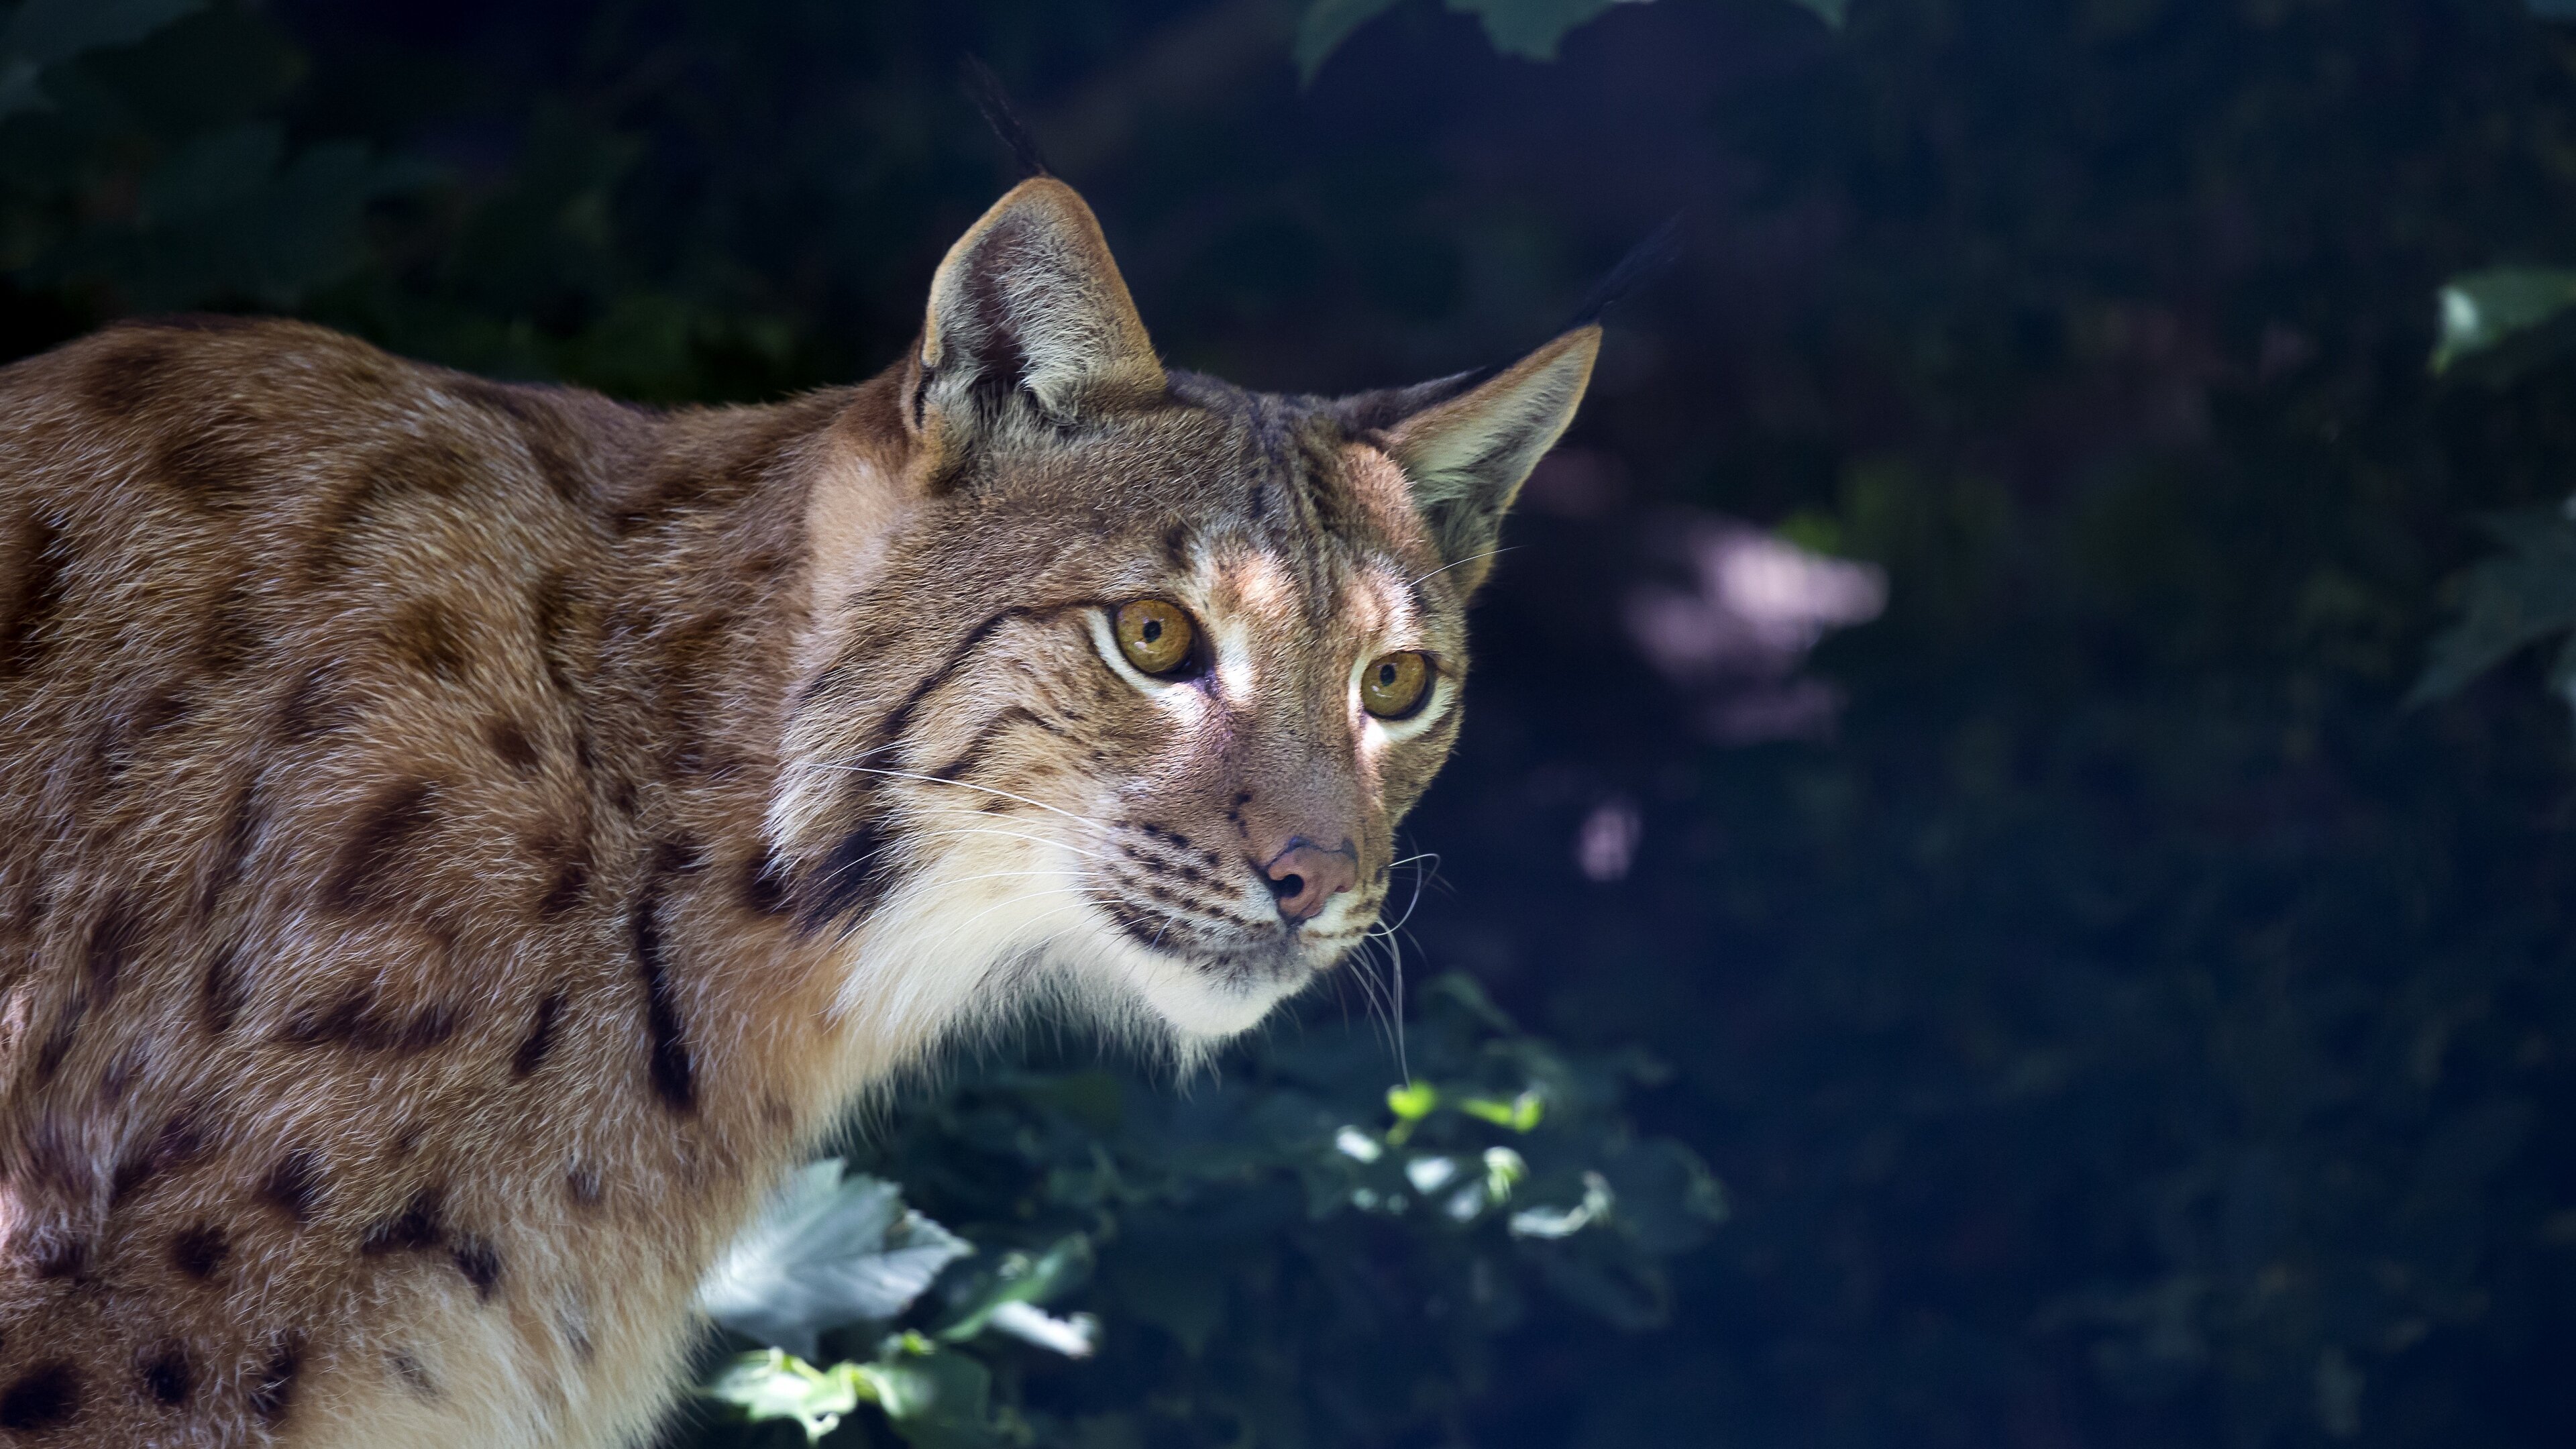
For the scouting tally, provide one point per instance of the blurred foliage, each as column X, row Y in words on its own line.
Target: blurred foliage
column 2133, row 1026
column 1291, row 1254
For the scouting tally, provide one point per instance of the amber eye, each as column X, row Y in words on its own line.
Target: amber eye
column 1394, row 684
column 1155, row 636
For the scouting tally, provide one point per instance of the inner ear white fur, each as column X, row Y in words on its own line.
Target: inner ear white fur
column 1467, row 458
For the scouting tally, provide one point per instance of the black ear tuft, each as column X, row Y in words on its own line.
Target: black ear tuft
column 985, row 89
column 1644, row 262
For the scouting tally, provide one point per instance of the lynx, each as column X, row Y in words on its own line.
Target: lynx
column 460, row 842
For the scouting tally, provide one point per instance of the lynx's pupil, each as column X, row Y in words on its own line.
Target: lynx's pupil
column 1155, row 636
column 1394, row 685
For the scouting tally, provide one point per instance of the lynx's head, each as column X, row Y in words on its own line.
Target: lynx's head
column 1126, row 676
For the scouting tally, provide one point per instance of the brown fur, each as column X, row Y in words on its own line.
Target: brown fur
column 442, row 881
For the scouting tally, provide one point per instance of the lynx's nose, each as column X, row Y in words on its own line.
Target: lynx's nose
column 1305, row 877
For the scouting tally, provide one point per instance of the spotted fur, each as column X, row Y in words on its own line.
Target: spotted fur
column 459, row 842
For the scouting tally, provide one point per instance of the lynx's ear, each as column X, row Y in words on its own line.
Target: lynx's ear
column 1028, row 319
column 1467, row 445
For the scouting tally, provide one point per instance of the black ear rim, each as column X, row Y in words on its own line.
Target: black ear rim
column 1649, row 259
column 1382, row 409
column 993, row 100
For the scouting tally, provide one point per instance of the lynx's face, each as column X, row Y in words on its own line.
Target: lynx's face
column 1127, row 711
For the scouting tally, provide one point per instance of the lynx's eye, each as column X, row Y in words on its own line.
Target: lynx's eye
column 1155, row 636
column 1393, row 685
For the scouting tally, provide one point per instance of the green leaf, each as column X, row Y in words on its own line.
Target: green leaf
column 1019, row 1279
column 1530, row 29
column 1413, row 1101
column 2483, row 310
column 1520, row 1114
column 45, row 32
column 826, row 1251
column 1324, row 26
column 936, row 1399
column 2526, row 594
column 776, row 1385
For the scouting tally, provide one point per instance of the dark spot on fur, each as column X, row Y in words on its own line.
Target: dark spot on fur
column 165, row 1375
column 409, row 1370
column 412, row 467
column 33, row 598
column 622, row 798
column 121, row 1071
column 428, row 636
column 666, row 1050
column 232, row 848
column 57, row 1043
column 179, row 1142
column 678, row 855
column 295, row 1184
column 572, row 877
column 361, row 1023
column 221, row 998
column 121, row 379
column 581, row 1185
column 480, row 1262
column 44, row 1397
column 272, row 1389
column 315, row 707
column 849, row 879
column 541, row 1036
column 207, row 461
column 1176, row 547
column 509, row 739
column 232, row 632
column 198, row 1251
column 387, row 829
column 64, row 1257
column 161, row 710
column 539, row 429
column 112, row 939
column 764, row 884
column 418, row 1226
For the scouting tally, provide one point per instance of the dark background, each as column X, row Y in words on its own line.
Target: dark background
column 2123, row 1020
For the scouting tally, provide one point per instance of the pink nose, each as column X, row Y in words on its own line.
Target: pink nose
column 1306, row 876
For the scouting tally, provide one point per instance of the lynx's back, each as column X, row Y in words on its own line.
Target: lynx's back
column 461, row 842
column 329, row 1054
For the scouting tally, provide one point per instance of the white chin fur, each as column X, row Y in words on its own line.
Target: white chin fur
column 999, row 926
column 1195, row 1004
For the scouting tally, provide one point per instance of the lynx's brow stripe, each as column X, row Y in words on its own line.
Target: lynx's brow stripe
column 990, row 735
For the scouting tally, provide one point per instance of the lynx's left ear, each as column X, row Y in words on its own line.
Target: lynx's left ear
column 1467, row 449
column 1029, row 321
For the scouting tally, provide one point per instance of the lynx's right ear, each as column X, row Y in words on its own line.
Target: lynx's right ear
column 1467, row 443
column 1030, row 325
